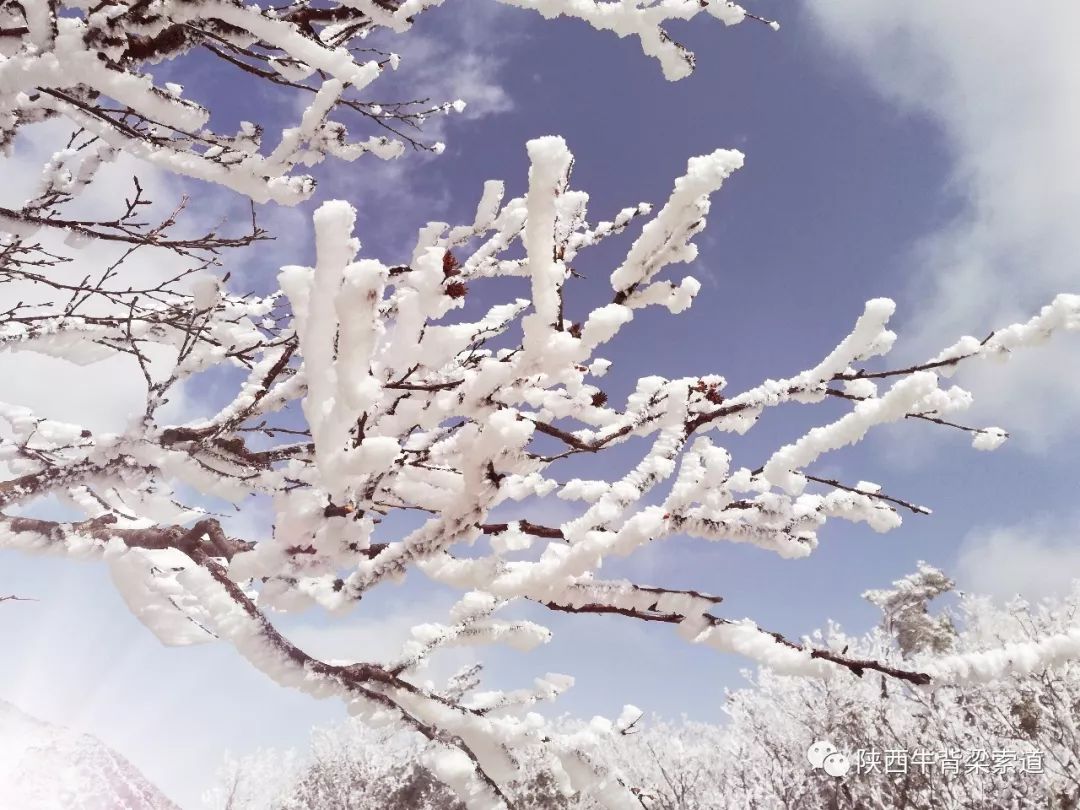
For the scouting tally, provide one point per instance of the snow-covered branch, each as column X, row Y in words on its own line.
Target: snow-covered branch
column 387, row 419
column 365, row 391
column 91, row 66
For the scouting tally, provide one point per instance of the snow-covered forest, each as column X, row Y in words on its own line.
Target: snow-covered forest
column 468, row 420
column 1006, row 743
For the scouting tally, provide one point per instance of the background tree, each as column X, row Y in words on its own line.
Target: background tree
column 1013, row 736
column 382, row 412
column 1021, row 729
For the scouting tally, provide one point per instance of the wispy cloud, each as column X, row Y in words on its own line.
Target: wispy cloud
column 459, row 53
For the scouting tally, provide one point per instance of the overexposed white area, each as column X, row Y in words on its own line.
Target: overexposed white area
column 49, row 767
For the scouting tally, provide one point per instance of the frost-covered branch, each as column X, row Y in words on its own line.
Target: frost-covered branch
column 364, row 391
column 645, row 20
column 92, row 66
column 395, row 419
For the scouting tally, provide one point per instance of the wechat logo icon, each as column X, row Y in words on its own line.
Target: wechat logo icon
column 823, row 754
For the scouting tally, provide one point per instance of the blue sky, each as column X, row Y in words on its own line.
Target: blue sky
column 912, row 153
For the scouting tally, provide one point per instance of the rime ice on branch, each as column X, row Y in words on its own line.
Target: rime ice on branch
column 364, row 391
column 407, row 406
column 90, row 64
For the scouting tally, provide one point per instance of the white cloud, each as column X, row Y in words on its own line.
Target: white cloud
column 1037, row 558
column 1003, row 84
column 105, row 395
column 459, row 53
